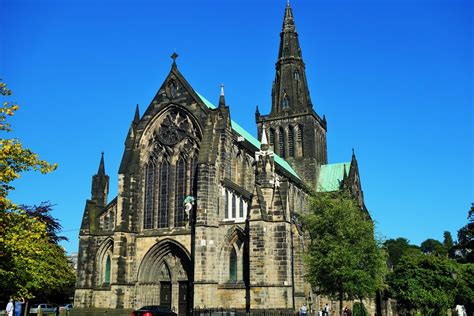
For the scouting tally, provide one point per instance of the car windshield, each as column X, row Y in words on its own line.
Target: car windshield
column 35, row 306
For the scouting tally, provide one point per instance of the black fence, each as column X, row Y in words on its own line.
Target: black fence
column 240, row 312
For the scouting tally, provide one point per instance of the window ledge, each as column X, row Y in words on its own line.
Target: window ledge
column 232, row 285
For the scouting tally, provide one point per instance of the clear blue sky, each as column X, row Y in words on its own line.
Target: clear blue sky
column 394, row 79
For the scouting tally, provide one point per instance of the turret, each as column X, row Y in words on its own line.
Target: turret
column 100, row 185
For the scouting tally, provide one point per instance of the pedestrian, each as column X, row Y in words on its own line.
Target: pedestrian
column 18, row 306
column 345, row 312
column 326, row 310
column 10, row 308
column 320, row 312
column 303, row 310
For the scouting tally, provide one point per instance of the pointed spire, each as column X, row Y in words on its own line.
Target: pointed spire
column 264, row 140
column 353, row 153
column 345, row 173
column 290, row 91
column 222, row 97
column 257, row 112
column 136, row 118
column 101, row 170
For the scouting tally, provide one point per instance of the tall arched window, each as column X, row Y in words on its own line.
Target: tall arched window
column 233, row 265
column 271, row 137
column 234, row 206
column 299, row 138
column 291, row 140
column 281, row 142
column 180, row 188
column 107, row 271
column 192, row 173
column 149, row 196
column 285, row 103
column 163, row 207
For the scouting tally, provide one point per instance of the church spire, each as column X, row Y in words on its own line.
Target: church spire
column 222, row 97
column 101, row 171
column 290, row 89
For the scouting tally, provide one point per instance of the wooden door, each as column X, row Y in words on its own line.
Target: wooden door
column 183, row 299
column 165, row 294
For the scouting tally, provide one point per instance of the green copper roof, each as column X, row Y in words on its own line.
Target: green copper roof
column 331, row 175
column 242, row 132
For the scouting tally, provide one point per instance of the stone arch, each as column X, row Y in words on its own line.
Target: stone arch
column 166, row 267
column 234, row 242
column 104, row 252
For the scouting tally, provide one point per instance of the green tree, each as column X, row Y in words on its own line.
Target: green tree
column 344, row 260
column 396, row 248
column 433, row 246
column 32, row 264
column 466, row 238
column 465, row 286
column 14, row 158
column 424, row 282
column 448, row 243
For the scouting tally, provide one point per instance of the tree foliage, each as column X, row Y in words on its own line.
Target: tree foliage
column 427, row 283
column 397, row 248
column 14, row 158
column 344, row 260
column 31, row 264
column 433, row 246
column 466, row 239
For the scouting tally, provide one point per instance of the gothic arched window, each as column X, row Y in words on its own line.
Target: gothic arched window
column 107, row 271
column 180, row 188
column 233, row 265
column 291, row 140
column 163, row 206
column 271, row 137
column 285, row 103
column 192, row 173
column 149, row 196
column 234, row 206
column 299, row 137
column 296, row 75
column 281, row 142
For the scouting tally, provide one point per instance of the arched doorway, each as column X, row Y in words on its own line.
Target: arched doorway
column 163, row 277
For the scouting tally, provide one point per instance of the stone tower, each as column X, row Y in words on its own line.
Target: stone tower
column 295, row 131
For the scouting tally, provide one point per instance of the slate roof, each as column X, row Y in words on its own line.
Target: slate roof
column 242, row 132
column 331, row 176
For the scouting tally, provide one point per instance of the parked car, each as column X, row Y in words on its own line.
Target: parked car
column 67, row 307
column 45, row 308
column 153, row 310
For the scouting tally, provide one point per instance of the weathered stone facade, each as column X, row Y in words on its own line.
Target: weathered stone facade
column 237, row 242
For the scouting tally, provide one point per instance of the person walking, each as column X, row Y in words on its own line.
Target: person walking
column 10, row 308
column 18, row 306
column 326, row 310
column 303, row 310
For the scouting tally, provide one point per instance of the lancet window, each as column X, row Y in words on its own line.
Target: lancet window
column 281, row 142
column 180, row 192
column 164, row 195
column 291, row 142
column 149, row 196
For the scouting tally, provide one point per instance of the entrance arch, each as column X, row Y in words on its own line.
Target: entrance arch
column 163, row 277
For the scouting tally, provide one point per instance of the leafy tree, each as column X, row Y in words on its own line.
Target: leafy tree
column 32, row 264
column 424, row 282
column 466, row 238
column 344, row 260
column 433, row 246
column 448, row 243
column 465, row 286
column 14, row 158
column 396, row 248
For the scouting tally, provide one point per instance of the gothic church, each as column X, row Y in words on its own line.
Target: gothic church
column 206, row 216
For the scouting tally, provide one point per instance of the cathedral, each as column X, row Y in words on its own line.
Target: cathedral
column 207, row 215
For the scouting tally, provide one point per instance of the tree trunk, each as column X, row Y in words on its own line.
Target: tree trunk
column 25, row 312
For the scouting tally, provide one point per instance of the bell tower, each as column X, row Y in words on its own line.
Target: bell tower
column 295, row 131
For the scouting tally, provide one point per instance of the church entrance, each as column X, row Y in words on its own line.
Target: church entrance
column 163, row 277
column 183, row 298
column 165, row 294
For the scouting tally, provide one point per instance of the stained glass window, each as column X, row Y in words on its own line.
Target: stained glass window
column 226, row 207
column 233, row 265
column 180, row 192
column 149, row 196
column 163, row 207
column 241, row 208
column 285, row 103
column 233, row 206
column 107, row 270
